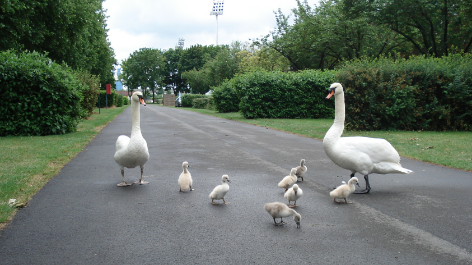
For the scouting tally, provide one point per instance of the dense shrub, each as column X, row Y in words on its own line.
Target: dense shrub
column 225, row 98
column 125, row 100
column 284, row 95
column 415, row 94
column 202, row 103
column 187, row 99
column 119, row 100
column 107, row 100
column 89, row 91
column 39, row 97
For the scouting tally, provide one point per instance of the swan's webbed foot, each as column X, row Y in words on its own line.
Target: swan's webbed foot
column 124, row 184
column 299, row 178
column 225, row 201
column 142, row 182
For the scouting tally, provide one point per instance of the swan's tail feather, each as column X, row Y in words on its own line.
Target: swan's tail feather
column 406, row 171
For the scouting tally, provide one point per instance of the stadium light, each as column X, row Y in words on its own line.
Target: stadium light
column 217, row 10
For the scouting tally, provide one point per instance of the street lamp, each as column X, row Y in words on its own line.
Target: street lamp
column 217, row 10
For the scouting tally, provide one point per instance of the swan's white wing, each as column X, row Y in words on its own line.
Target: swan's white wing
column 379, row 150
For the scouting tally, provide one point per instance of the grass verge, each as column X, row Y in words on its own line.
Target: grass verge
column 451, row 149
column 29, row 162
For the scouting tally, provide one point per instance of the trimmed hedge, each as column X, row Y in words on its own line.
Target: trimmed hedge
column 284, row 95
column 202, row 103
column 39, row 97
column 107, row 100
column 125, row 100
column 416, row 94
column 187, row 99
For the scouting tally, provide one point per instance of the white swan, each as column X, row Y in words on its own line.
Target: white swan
column 280, row 210
column 185, row 179
column 132, row 151
column 344, row 190
column 220, row 191
column 289, row 180
column 301, row 169
column 293, row 194
column 358, row 154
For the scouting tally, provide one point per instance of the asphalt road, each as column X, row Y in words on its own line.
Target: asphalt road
column 82, row 217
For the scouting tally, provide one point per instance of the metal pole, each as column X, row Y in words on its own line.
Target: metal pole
column 216, row 29
column 99, row 102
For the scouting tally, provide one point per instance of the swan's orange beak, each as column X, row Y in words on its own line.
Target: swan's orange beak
column 141, row 100
column 331, row 93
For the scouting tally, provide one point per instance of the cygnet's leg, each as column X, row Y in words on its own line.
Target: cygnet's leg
column 123, row 183
column 367, row 186
column 279, row 223
column 190, row 189
column 141, row 181
column 213, row 202
column 225, row 202
column 345, row 199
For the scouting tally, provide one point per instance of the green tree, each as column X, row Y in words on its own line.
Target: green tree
column 323, row 37
column 224, row 65
column 73, row 32
column 144, row 68
column 173, row 78
column 432, row 27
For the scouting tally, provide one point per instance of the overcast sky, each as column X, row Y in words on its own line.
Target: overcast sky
column 159, row 24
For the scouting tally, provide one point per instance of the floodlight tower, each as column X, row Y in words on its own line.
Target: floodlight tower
column 180, row 44
column 217, row 10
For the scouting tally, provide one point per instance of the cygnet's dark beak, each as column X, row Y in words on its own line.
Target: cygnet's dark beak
column 298, row 224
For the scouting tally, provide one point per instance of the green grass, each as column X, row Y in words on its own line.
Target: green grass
column 451, row 149
column 29, row 162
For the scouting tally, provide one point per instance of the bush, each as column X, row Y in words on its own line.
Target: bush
column 416, row 94
column 125, row 100
column 284, row 95
column 89, row 91
column 119, row 100
column 39, row 97
column 225, row 98
column 187, row 99
column 107, row 100
column 202, row 103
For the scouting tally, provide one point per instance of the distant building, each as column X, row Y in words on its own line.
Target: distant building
column 118, row 84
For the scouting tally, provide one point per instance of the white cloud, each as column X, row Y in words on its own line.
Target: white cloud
column 160, row 24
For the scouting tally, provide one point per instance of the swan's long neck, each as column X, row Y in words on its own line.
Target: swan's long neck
column 337, row 128
column 136, row 119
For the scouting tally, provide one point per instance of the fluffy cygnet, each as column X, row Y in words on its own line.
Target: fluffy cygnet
column 288, row 180
column 220, row 191
column 344, row 190
column 293, row 194
column 280, row 210
column 185, row 179
column 301, row 169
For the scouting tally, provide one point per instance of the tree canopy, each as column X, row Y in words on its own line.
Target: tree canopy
column 71, row 32
column 144, row 68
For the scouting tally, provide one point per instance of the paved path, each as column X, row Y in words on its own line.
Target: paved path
column 82, row 217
